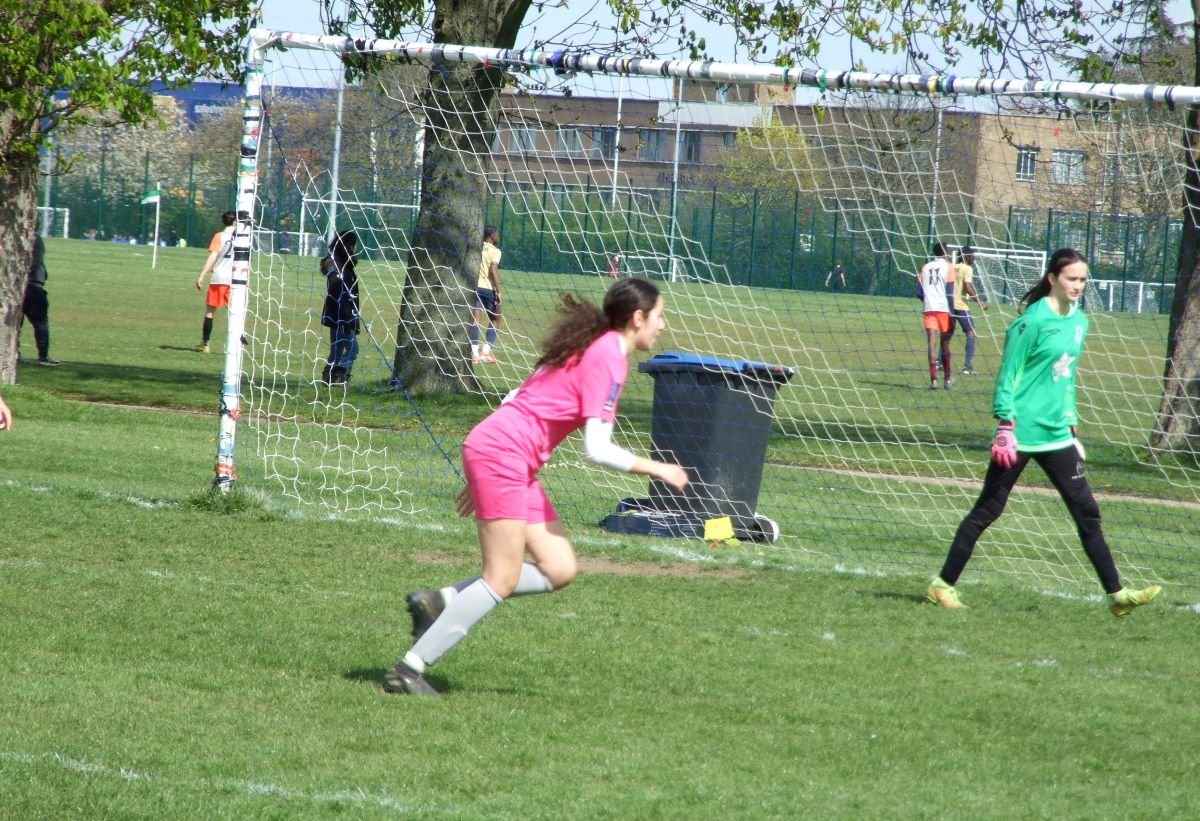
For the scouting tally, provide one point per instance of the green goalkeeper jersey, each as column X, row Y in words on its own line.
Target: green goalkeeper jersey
column 1036, row 385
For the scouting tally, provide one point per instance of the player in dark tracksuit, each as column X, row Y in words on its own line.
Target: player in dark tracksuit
column 36, row 305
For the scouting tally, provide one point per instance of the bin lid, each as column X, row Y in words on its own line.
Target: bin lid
column 676, row 362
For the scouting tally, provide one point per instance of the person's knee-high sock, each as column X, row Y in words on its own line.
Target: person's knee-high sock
column 208, row 322
column 532, row 582
column 462, row 613
column 970, row 352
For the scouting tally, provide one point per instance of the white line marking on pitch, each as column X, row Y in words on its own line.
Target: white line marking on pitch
column 354, row 795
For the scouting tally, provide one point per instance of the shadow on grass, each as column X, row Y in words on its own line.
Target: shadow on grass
column 916, row 598
column 370, row 675
column 133, row 384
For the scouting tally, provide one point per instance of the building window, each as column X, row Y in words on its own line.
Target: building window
column 604, row 142
column 524, row 139
column 692, row 147
column 1026, row 163
column 568, row 142
column 652, row 144
column 1021, row 226
column 1066, row 166
column 1112, row 169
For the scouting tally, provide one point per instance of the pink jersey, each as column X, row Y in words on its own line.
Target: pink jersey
column 553, row 403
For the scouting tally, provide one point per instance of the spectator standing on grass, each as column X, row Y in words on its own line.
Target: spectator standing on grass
column 576, row 384
column 341, row 310
column 36, row 305
column 220, row 264
column 487, row 297
column 837, row 276
column 931, row 288
column 960, row 313
column 1034, row 400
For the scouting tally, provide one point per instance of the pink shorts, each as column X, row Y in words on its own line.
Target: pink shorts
column 503, row 487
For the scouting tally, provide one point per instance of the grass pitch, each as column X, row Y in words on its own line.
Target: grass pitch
column 168, row 654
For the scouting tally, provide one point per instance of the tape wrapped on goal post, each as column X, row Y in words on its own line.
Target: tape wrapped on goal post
column 229, row 407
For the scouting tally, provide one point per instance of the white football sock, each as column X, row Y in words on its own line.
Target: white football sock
column 460, row 615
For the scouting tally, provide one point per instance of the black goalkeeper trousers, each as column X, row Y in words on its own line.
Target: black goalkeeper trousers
column 36, row 308
column 1065, row 471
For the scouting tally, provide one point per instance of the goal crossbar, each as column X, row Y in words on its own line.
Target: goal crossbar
column 564, row 60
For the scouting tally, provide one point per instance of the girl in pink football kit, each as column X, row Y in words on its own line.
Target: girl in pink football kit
column 576, row 384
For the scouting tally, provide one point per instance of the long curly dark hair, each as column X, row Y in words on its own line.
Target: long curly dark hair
column 1058, row 260
column 580, row 322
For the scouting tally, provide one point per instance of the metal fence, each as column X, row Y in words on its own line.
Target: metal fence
column 752, row 238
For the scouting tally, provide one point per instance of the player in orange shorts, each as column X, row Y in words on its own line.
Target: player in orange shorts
column 220, row 264
column 938, row 326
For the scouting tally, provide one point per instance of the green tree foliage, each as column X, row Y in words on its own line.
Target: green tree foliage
column 72, row 63
column 771, row 158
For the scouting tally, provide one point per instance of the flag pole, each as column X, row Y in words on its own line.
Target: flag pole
column 155, row 197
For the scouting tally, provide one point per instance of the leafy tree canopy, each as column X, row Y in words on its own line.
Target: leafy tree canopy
column 1003, row 37
column 100, row 56
column 69, row 63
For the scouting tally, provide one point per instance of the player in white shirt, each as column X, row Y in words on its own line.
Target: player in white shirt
column 220, row 264
column 931, row 286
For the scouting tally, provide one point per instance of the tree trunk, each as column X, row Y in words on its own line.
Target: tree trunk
column 18, row 213
column 432, row 352
column 1178, row 427
column 460, row 102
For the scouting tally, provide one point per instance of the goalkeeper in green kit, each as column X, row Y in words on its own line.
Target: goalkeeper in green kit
column 1034, row 403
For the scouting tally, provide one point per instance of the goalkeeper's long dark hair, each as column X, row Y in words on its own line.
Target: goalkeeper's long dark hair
column 580, row 322
column 1058, row 260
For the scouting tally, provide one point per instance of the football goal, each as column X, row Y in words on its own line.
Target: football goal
column 55, row 222
column 654, row 266
column 737, row 203
column 385, row 226
column 1003, row 275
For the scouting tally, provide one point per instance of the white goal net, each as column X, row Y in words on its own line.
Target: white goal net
column 739, row 203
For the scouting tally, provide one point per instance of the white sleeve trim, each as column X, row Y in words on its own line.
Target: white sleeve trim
column 599, row 447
